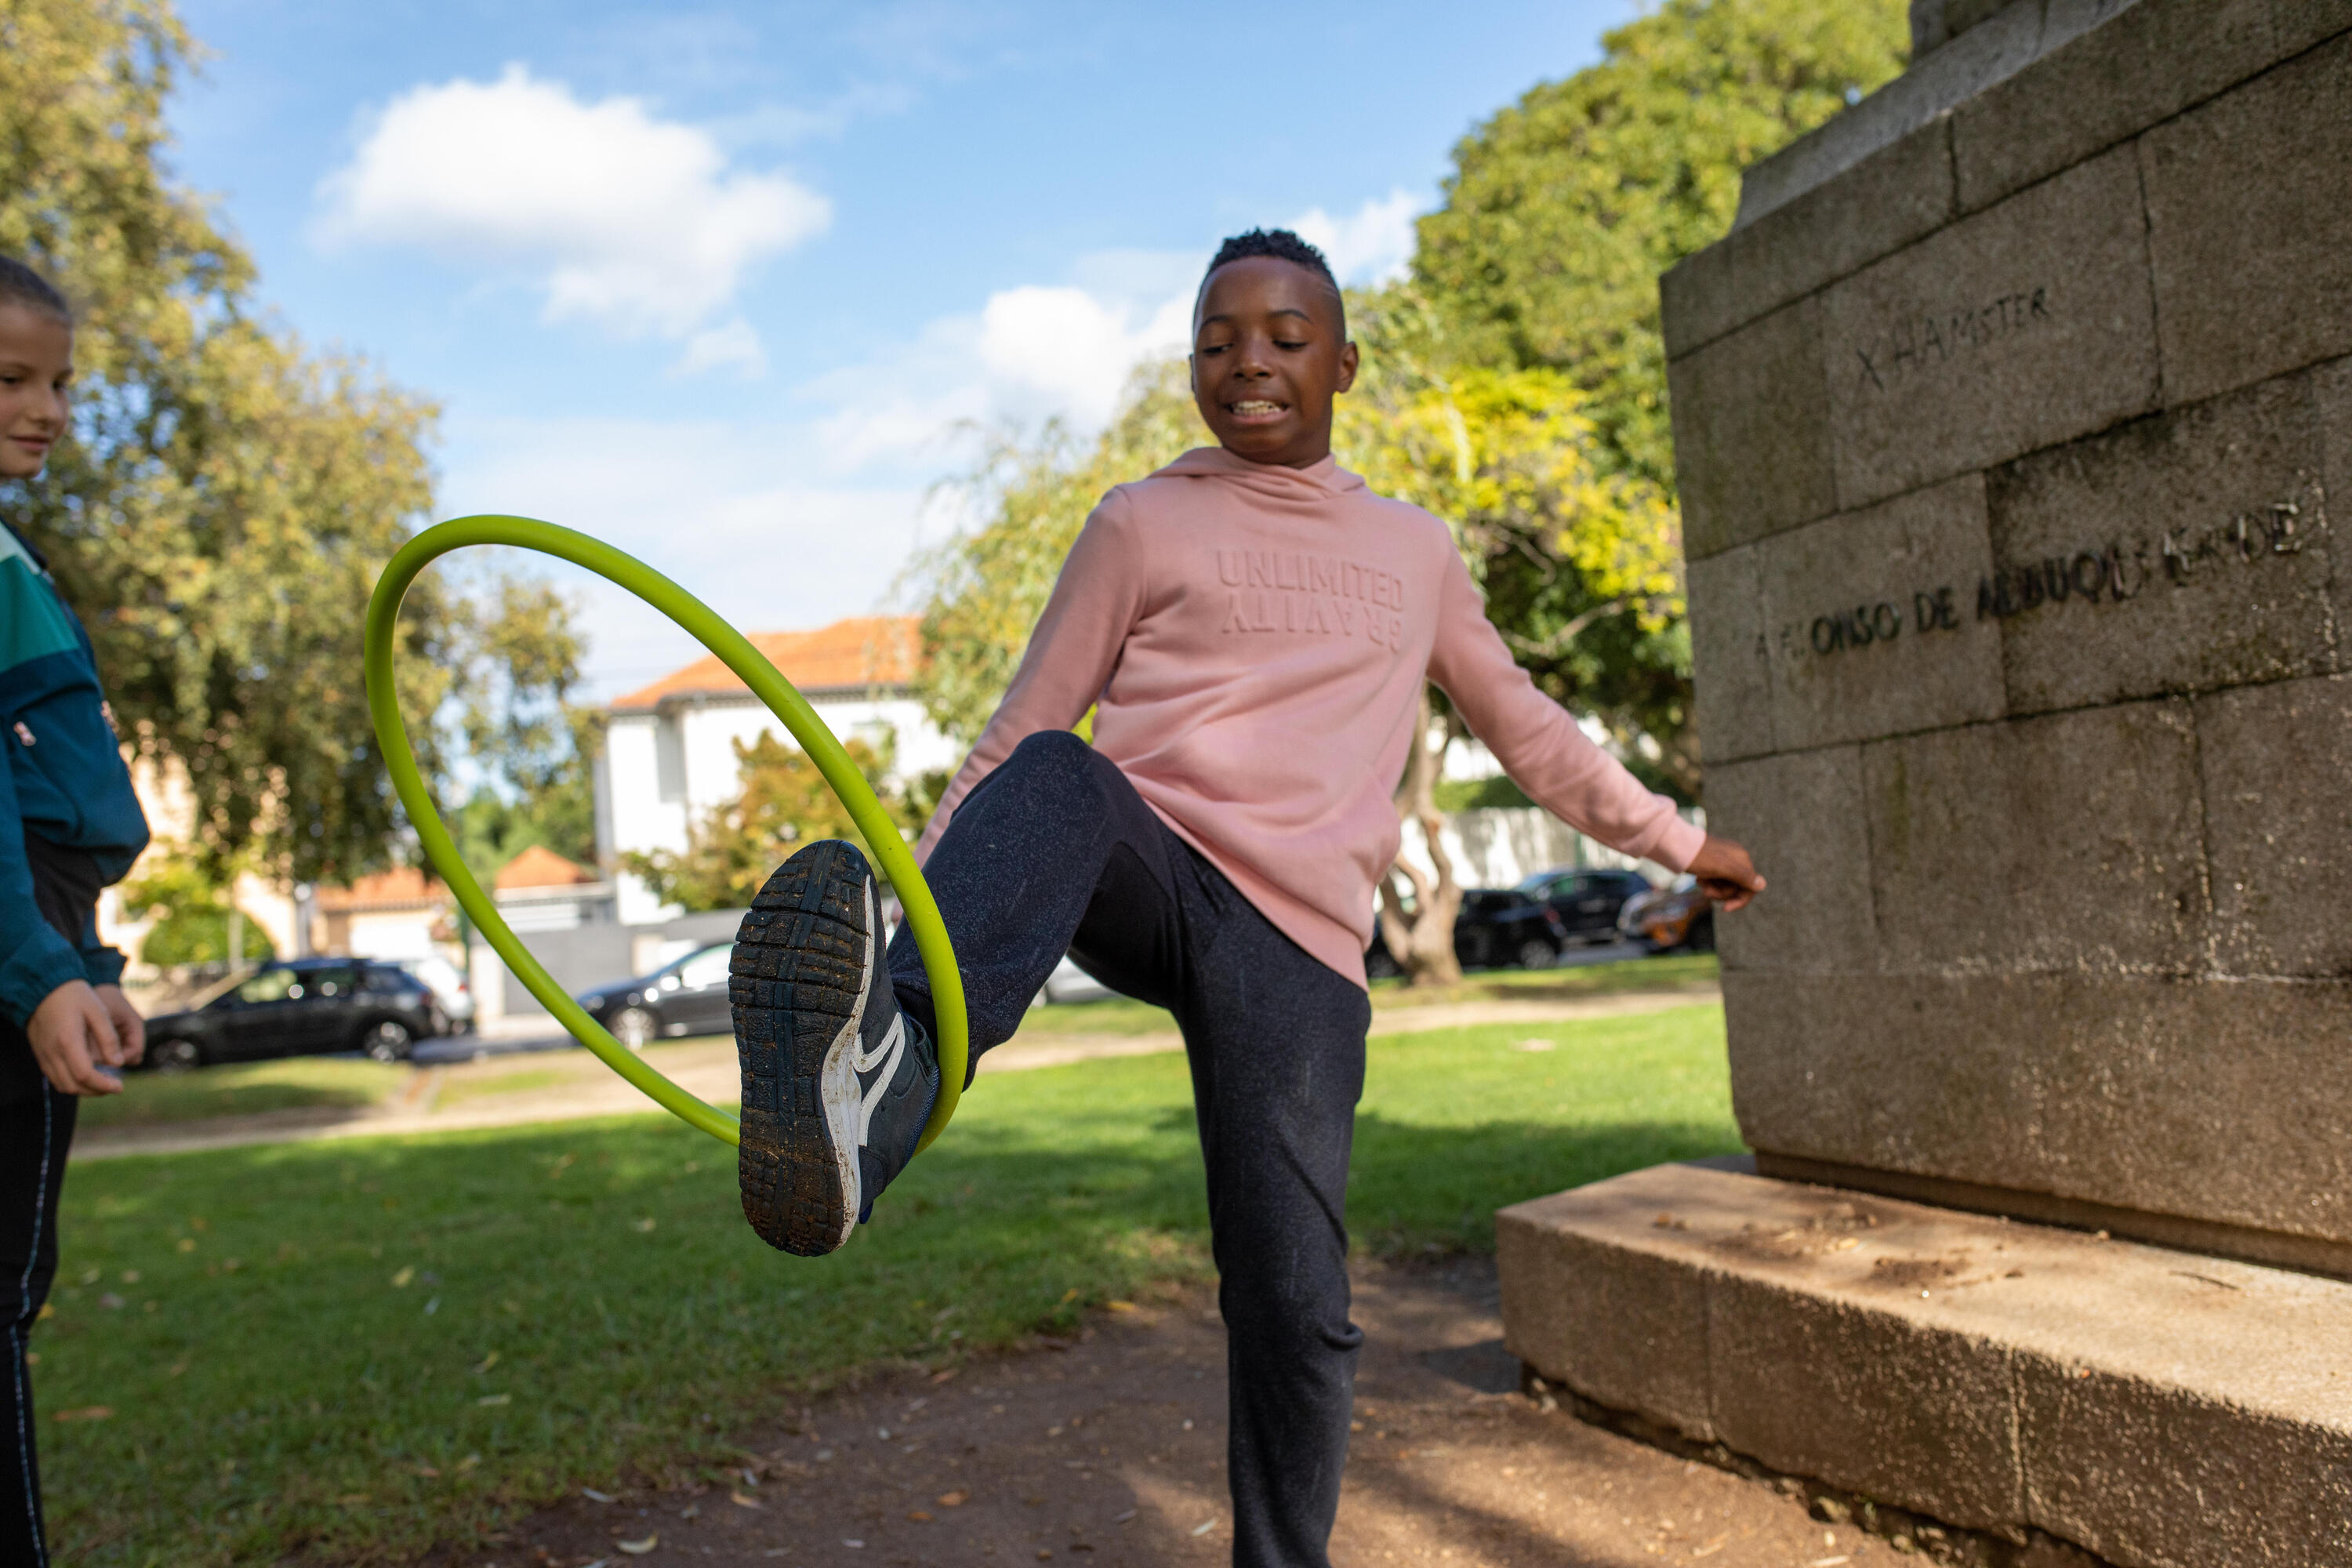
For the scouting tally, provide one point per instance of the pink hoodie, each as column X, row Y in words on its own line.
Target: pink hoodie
column 1252, row 640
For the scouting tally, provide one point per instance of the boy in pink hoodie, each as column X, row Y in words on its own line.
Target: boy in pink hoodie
column 1252, row 627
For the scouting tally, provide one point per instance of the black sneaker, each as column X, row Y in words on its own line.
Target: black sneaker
column 837, row 1082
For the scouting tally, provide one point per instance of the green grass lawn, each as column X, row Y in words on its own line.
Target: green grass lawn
column 295, row 1082
column 1667, row 972
column 344, row 1352
column 338, row 1082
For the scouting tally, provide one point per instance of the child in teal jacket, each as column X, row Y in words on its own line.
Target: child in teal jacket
column 69, row 825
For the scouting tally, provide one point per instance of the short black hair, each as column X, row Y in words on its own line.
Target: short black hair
column 1282, row 245
column 20, row 285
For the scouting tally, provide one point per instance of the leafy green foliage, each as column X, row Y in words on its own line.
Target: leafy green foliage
column 985, row 589
column 227, row 498
column 193, row 905
column 1580, row 560
column 313, row 1381
column 1560, row 213
column 1564, row 208
column 1478, row 794
column 784, row 803
column 519, row 716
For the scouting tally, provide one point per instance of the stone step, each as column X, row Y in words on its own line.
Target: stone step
column 2161, row 1409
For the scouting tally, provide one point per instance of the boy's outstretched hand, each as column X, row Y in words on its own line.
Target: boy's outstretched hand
column 1724, row 870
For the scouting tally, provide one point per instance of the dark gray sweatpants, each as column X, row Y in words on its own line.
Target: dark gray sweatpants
column 1055, row 851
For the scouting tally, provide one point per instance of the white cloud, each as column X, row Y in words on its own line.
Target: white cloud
column 1028, row 354
column 1074, row 350
column 812, row 516
column 743, row 516
column 1371, row 244
column 620, row 218
column 1068, row 349
column 731, row 343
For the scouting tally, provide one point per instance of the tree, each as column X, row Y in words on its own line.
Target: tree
column 1563, row 209
column 193, row 909
column 984, row 589
column 518, row 714
column 785, row 802
column 225, row 499
column 1416, row 921
column 1511, row 460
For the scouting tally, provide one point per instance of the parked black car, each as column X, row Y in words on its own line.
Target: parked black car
column 1588, row 900
column 688, row 996
column 308, row 1006
column 1500, row 928
column 1527, row 926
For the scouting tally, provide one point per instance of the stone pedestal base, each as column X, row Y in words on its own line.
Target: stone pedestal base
column 2159, row 1408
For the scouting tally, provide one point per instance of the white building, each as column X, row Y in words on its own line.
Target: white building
column 669, row 750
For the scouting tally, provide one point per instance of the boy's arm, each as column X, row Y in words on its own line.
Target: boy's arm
column 1539, row 745
column 1070, row 655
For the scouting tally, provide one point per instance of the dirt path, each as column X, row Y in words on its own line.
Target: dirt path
column 1109, row 1450
column 437, row 1101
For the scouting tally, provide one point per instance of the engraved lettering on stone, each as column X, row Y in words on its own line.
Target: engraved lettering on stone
column 2113, row 575
column 1926, row 343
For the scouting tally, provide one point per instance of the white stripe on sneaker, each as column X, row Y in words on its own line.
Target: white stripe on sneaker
column 844, row 1097
column 893, row 1046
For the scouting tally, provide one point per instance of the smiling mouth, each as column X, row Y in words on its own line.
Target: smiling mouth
column 1254, row 410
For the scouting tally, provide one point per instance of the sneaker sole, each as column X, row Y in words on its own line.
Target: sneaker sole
column 801, row 970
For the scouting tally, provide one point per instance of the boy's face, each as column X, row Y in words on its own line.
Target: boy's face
column 1268, row 355
column 36, row 364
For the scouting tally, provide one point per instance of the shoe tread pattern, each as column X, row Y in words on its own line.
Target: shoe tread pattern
column 792, row 982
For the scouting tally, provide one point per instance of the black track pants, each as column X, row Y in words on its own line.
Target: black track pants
column 36, row 1129
column 1055, row 851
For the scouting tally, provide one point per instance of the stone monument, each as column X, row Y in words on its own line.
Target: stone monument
column 2014, row 421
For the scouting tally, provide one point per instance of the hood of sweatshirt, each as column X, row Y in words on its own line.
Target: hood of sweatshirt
column 1273, row 481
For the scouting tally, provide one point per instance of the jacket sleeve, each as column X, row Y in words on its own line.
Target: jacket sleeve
column 1070, row 655
column 101, row 964
column 33, row 959
column 1538, row 743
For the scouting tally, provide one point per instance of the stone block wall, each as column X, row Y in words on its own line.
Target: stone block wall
column 2016, row 463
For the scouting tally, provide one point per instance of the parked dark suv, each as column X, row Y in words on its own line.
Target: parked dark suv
column 1587, row 898
column 310, row 1007
column 1527, row 926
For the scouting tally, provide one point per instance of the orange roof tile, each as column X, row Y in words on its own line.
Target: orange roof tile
column 402, row 885
column 864, row 650
column 540, row 866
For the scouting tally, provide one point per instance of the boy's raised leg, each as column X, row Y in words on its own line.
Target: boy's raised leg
column 1055, row 839
column 837, row 1046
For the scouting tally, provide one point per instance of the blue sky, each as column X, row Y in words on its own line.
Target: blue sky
column 719, row 284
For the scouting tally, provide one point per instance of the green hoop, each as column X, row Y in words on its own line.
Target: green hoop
column 734, row 650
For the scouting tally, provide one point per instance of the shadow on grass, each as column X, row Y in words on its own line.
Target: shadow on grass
column 351, row 1351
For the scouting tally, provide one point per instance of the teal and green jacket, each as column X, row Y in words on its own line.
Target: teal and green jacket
column 67, row 781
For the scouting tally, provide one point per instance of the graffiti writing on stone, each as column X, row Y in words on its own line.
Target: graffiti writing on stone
column 1929, row 342
column 2113, row 573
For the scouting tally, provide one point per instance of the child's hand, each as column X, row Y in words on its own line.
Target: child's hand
column 1724, row 870
column 75, row 1043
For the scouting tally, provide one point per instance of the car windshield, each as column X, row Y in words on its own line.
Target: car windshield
column 269, row 985
column 707, row 968
column 218, row 989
